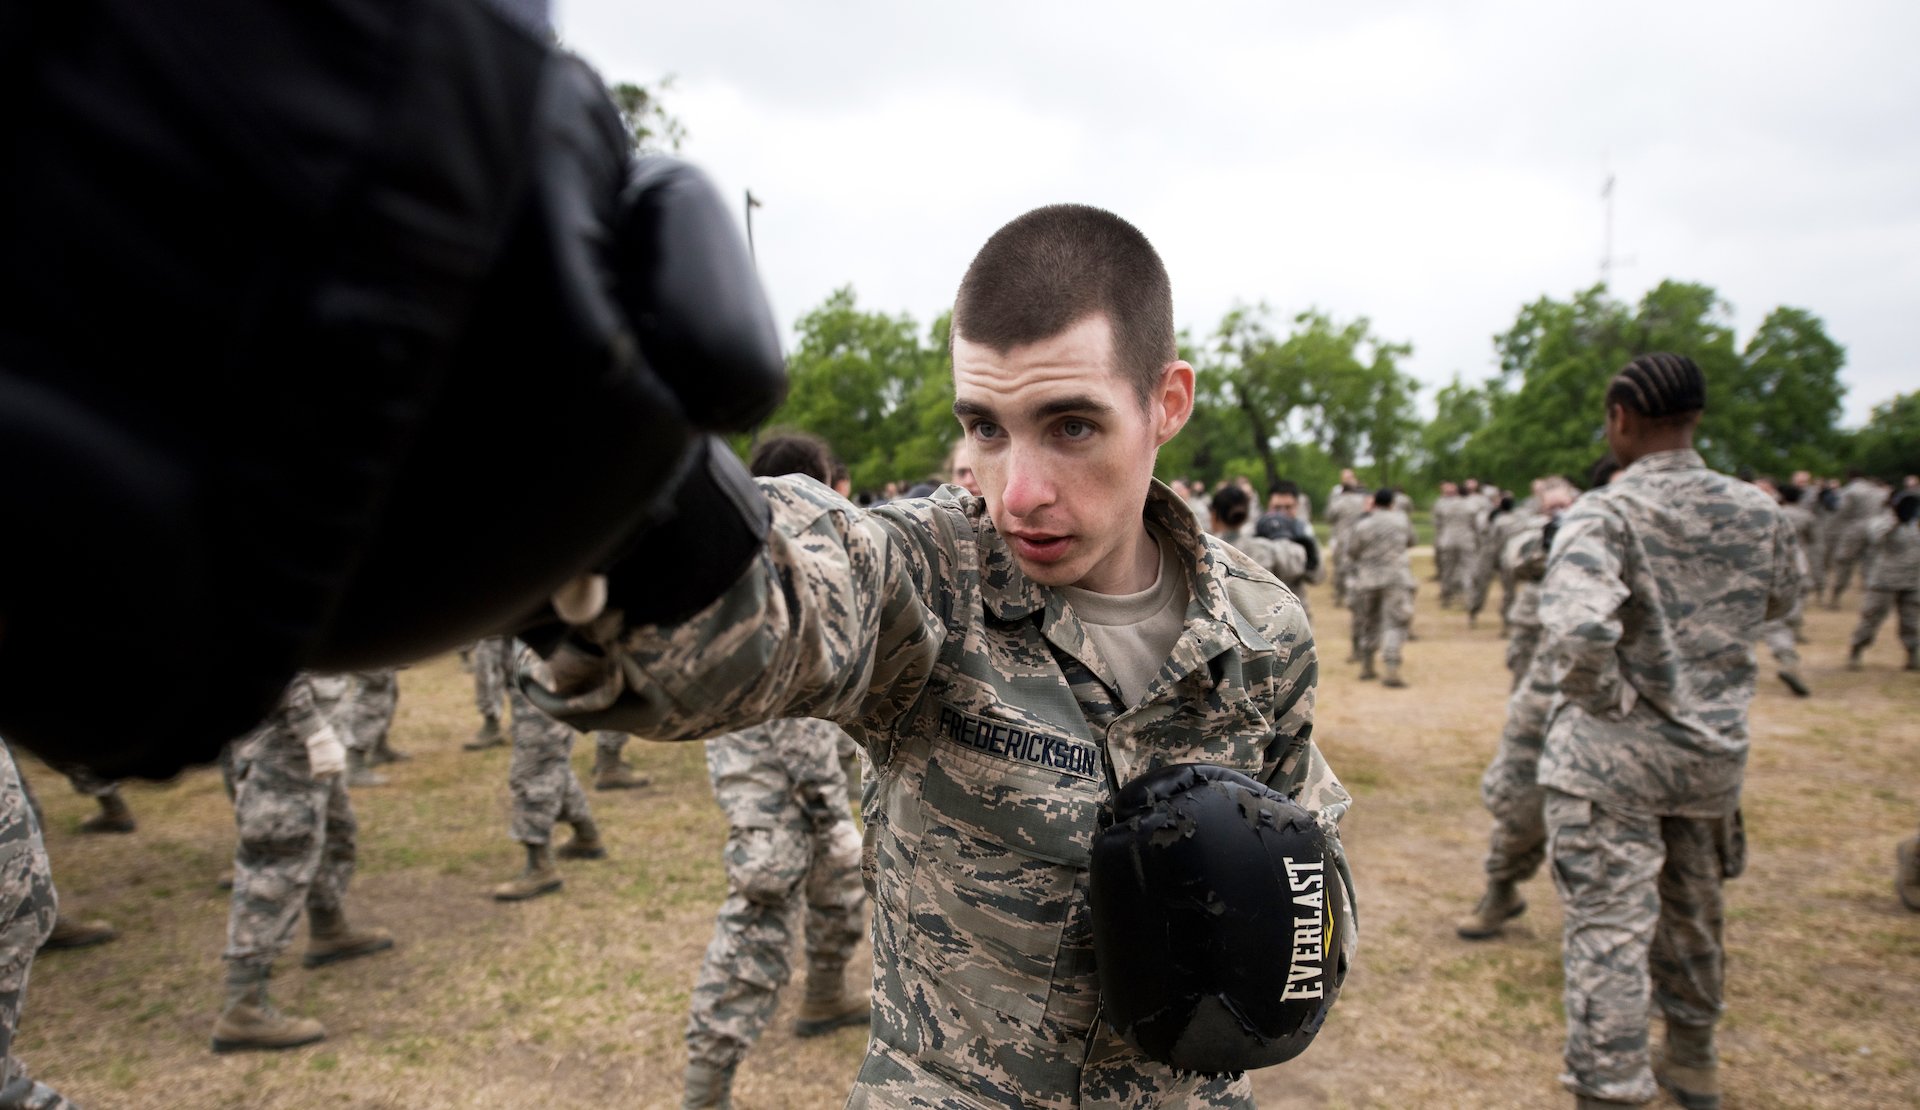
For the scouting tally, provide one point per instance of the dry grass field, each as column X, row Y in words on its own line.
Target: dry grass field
column 578, row 1000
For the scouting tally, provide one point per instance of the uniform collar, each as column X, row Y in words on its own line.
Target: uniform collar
column 1685, row 458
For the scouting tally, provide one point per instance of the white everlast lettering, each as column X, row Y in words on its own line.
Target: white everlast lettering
column 1306, row 977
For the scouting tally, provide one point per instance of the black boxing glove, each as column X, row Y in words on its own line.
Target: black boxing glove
column 687, row 285
column 1215, row 926
column 1305, row 539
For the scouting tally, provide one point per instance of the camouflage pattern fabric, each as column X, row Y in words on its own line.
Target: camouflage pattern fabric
column 1455, row 547
column 1861, row 500
column 1643, row 920
column 996, row 734
column 791, row 839
column 1283, row 559
column 1510, row 787
column 1344, row 510
column 366, row 713
column 540, row 776
column 1893, row 581
column 492, row 669
column 296, row 832
column 27, row 905
column 1380, row 583
column 1654, row 595
column 1491, row 564
column 1523, row 562
column 1782, row 635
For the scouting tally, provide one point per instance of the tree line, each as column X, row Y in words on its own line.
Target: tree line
column 1301, row 397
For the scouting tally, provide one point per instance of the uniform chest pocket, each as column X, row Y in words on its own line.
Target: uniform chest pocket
column 996, row 886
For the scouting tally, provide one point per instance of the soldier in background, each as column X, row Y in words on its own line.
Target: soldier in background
column 1282, row 524
column 1510, row 787
column 1382, row 586
column 791, row 840
column 1344, row 509
column 1860, row 501
column 1452, row 540
column 1892, row 579
column 544, row 792
column 297, row 843
column 1783, row 636
column 1646, row 748
column 28, row 908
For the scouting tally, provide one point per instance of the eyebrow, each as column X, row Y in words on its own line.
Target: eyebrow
column 1079, row 403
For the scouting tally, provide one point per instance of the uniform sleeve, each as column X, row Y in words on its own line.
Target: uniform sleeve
column 1284, row 558
column 302, row 709
column 835, row 619
column 1580, row 600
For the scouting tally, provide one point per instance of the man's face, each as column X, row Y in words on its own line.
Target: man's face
column 1285, row 504
column 962, row 469
column 1064, row 451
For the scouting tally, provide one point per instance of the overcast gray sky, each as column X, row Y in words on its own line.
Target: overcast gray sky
column 1430, row 166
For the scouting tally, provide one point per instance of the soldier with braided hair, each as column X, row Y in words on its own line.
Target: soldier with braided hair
column 1655, row 590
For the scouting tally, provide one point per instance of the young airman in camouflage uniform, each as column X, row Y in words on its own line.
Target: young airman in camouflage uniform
column 1454, row 546
column 1655, row 591
column 28, row 908
column 1861, row 500
column 365, row 722
column 296, row 851
column 545, row 792
column 1344, row 509
column 1381, row 587
column 1892, row 580
column 1783, row 636
column 940, row 633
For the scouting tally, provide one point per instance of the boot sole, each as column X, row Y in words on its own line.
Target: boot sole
column 1519, row 908
column 806, row 1029
column 310, row 960
column 522, row 896
column 224, row 1046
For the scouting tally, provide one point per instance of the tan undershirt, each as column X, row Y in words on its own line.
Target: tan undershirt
column 1135, row 633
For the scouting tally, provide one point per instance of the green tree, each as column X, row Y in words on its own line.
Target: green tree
column 1460, row 411
column 1785, row 415
column 873, row 388
column 653, row 128
column 1889, row 446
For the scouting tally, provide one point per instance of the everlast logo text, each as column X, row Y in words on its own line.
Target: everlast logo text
column 1073, row 757
column 1305, row 976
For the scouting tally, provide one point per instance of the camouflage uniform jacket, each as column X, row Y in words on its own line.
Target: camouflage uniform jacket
column 1523, row 555
column 1453, row 523
column 1896, row 553
column 997, row 735
column 1283, row 559
column 1654, row 595
column 1377, row 550
column 1860, row 500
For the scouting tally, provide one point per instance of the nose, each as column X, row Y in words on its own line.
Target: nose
column 1029, row 487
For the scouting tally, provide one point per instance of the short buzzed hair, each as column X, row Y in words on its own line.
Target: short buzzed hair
column 1055, row 266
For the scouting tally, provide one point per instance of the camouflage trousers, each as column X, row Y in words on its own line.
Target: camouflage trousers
column 791, row 843
column 1511, row 789
column 540, row 778
column 1457, row 572
column 27, row 905
column 297, row 844
column 1486, row 571
column 1874, row 607
column 367, row 710
column 1380, row 618
column 1782, row 636
column 1643, row 919
column 1849, row 550
column 493, row 662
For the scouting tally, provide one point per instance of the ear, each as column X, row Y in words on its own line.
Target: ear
column 1172, row 404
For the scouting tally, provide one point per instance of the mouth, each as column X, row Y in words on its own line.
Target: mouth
column 1039, row 547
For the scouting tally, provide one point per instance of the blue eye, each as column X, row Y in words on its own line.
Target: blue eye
column 984, row 429
column 1075, row 429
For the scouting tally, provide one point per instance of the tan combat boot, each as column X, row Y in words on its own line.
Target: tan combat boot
column 709, row 1087
column 251, row 1023
column 540, row 877
column 385, row 752
column 114, row 816
column 1688, row 1068
column 1392, row 677
column 585, row 842
column 330, row 939
column 68, row 933
column 1906, row 873
column 1499, row 905
column 1367, row 673
column 827, row 1005
column 488, row 735
column 360, row 770
column 610, row 772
